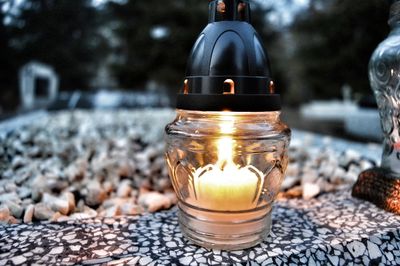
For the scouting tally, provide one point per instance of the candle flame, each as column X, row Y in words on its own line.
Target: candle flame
column 225, row 144
column 225, row 185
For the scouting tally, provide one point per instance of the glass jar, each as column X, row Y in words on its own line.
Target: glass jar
column 384, row 73
column 226, row 169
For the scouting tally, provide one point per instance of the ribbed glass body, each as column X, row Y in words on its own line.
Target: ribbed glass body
column 384, row 72
column 226, row 168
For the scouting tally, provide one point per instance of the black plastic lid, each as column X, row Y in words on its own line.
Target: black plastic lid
column 228, row 68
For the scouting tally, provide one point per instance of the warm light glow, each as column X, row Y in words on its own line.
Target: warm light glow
column 226, row 186
column 225, row 143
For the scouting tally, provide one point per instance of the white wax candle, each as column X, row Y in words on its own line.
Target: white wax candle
column 229, row 189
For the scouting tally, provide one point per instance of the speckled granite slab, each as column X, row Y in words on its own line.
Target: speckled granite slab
column 334, row 229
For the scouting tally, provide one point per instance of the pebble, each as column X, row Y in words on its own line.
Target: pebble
column 76, row 171
column 113, row 211
column 349, row 156
column 63, row 218
column 79, row 216
column 10, row 187
column 42, row 212
column 130, row 209
column 26, row 202
column 56, row 204
column 172, row 196
column 126, row 168
column 293, row 169
column 4, row 214
column 28, row 216
column 55, row 184
column 338, row 176
column 124, row 189
column 13, row 197
column 108, row 186
column 15, row 209
column 56, row 217
column 365, row 164
column 116, row 202
column 24, row 192
column 38, row 187
column 13, row 220
column 309, row 176
column 95, row 195
column 154, row 201
column 90, row 212
column 290, row 181
column 310, row 191
column 294, row 192
column 70, row 198
column 18, row 161
column 85, row 214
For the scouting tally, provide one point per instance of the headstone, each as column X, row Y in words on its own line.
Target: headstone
column 28, row 74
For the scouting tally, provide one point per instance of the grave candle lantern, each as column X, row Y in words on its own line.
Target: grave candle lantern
column 381, row 185
column 227, row 148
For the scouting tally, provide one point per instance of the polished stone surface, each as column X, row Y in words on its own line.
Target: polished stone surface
column 332, row 229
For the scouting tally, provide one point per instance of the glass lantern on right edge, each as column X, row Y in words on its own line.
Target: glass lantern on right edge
column 227, row 148
column 381, row 185
column 384, row 72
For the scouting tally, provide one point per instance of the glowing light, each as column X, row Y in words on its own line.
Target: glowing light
column 226, row 186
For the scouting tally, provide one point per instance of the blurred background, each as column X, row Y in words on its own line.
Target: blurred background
column 63, row 54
